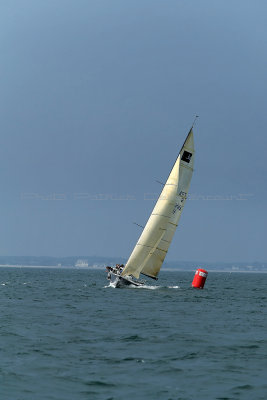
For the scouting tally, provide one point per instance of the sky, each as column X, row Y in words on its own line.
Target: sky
column 96, row 98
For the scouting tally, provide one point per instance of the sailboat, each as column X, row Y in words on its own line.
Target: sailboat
column 152, row 246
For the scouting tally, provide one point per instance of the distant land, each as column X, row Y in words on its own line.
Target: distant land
column 101, row 262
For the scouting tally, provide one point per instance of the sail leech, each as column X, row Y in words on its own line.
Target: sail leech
column 158, row 232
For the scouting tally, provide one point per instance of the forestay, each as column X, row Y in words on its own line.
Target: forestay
column 153, row 244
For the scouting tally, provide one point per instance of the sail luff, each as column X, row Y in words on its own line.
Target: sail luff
column 153, row 244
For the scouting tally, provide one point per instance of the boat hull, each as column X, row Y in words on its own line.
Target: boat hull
column 121, row 281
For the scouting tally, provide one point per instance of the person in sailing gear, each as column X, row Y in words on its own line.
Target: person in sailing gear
column 109, row 273
column 119, row 267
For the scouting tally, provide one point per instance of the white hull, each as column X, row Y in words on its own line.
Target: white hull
column 121, row 281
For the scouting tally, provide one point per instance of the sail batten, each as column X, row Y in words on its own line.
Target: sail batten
column 161, row 215
column 151, row 249
column 164, row 251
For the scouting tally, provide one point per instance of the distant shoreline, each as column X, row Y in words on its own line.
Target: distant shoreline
column 50, row 266
column 96, row 267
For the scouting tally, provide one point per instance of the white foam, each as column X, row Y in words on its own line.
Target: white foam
column 146, row 287
column 111, row 284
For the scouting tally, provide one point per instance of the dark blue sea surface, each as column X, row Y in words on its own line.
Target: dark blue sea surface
column 65, row 334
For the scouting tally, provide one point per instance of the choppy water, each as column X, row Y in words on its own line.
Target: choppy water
column 65, row 335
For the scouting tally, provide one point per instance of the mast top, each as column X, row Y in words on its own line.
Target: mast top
column 196, row 117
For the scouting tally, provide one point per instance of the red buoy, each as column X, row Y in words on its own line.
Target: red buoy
column 200, row 278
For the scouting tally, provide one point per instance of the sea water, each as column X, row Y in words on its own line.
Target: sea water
column 66, row 334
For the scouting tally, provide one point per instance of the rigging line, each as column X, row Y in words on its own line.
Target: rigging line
column 141, row 226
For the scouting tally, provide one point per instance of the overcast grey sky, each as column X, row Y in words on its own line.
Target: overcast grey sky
column 96, row 99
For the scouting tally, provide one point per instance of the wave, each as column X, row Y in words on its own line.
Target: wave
column 147, row 287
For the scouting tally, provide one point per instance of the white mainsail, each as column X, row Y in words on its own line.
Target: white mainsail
column 153, row 244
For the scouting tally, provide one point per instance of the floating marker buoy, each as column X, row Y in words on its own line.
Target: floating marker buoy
column 200, row 278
